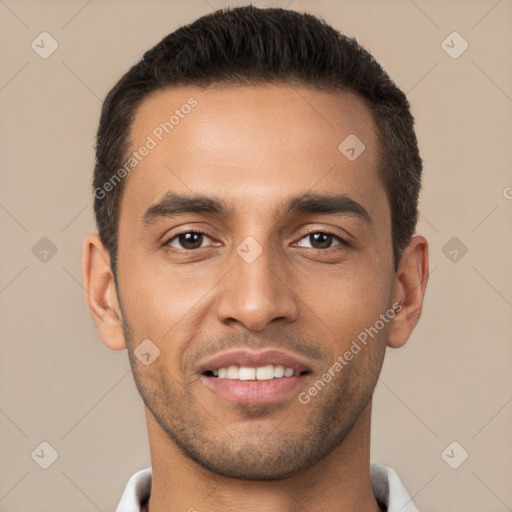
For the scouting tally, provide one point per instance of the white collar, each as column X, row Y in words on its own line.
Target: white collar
column 387, row 487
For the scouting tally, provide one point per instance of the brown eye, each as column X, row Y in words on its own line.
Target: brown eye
column 322, row 240
column 189, row 240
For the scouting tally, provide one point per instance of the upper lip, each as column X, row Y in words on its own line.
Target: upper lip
column 252, row 359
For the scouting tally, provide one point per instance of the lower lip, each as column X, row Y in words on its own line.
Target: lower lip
column 255, row 392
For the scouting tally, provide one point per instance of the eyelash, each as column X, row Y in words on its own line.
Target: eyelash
column 341, row 240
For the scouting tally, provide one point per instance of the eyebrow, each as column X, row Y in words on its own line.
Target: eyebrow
column 340, row 204
column 172, row 204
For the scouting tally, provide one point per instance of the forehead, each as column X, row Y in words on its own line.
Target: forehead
column 243, row 142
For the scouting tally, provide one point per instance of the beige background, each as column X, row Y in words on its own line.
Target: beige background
column 451, row 382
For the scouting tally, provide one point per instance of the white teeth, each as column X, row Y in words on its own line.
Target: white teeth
column 232, row 372
column 278, row 371
column 267, row 372
column 288, row 372
column 246, row 373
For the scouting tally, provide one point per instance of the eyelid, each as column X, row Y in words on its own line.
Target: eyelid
column 169, row 239
column 342, row 240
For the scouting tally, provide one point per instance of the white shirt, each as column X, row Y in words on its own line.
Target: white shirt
column 387, row 487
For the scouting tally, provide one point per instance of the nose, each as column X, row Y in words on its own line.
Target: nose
column 256, row 293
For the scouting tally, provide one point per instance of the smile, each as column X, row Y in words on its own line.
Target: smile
column 255, row 377
column 267, row 372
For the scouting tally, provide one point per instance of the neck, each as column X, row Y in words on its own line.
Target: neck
column 339, row 482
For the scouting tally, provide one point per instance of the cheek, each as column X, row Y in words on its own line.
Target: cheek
column 347, row 298
column 164, row 304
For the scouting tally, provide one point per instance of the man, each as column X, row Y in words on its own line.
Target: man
column 256, row 192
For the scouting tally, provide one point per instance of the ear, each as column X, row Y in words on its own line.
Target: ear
column 409, row 290
column 101, row 294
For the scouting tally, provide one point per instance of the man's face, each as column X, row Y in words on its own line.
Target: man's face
column 268, row 280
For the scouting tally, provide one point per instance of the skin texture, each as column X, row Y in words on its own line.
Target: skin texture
column 253, row 147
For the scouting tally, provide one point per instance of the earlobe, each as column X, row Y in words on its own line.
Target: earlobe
column 409, row 290
column 101, row 294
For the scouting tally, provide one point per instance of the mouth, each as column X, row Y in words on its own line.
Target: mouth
column 260, row 373
column 254, row 377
